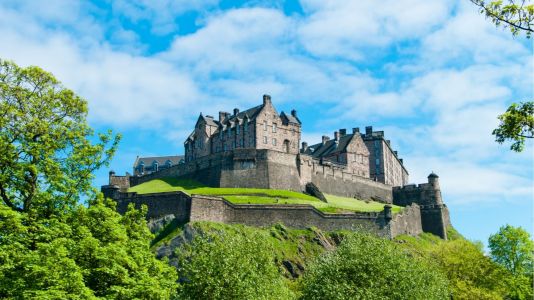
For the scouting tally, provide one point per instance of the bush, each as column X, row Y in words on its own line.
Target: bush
column 237, row 264
column 367, row 267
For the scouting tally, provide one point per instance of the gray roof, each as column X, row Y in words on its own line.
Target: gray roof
column 330, row 147
column 250, row 113
column 290, row 118
column 161, row 160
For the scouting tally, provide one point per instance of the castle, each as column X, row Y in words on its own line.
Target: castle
column 259, row 148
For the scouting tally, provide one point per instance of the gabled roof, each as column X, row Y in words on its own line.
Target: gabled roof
column 290, row 118
column 208, row 120
column 250, row 113
column 161, row 160
column 330, row 147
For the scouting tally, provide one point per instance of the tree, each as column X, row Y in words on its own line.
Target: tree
column 229, row 264
column 47, row 158
column 52, row 246
column 471, row 274
column 518, row 17
column 513, row 248
column 91, row 252
column 516, row 124
column 367, row 267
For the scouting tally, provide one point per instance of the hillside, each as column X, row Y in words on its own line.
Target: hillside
column 336, row 204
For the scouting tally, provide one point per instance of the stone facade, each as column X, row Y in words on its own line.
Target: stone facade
column 147, row 165
column 260, row 127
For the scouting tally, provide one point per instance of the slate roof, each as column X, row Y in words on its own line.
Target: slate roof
column 251, row 113
column 161, row 160
column 290, row 118
column 330, row 147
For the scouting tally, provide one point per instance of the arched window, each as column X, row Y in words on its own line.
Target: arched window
column 141, row 167
column 168, row 163
column 155, row 166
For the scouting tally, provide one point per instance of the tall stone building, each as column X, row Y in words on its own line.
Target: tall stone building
column 260, row 127
column 384, row 163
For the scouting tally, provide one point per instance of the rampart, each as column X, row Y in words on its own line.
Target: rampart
column 204, row 208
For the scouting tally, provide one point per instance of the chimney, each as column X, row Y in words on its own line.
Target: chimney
column 369, row 130
column 325, row 139
column 396, row 153
column 401, row 161
column 336, row 136
column 222, row 116
column 342, row 132
column 294, row 113
column 266, row 100
column 236, row 111
column 356, row 130
column 304, row 146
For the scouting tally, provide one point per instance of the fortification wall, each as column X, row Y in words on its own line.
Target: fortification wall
column 158, row 204
column 261, row 168
column 407, row 222
column 295, row 216
column 333, row 179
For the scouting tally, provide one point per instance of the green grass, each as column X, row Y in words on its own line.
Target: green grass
column 336, row 204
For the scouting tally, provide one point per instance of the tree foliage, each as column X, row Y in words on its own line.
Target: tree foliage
column 367, row 267
column 90, row 253
column 518, row 16
column 517, row 125
column 513, row 248
column 230, row 265
column 47, row 158
column 472, row 275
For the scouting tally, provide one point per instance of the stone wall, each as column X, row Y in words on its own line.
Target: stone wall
column 159, row 204
column 333, row 179
column 407, row 222
column 295, row 216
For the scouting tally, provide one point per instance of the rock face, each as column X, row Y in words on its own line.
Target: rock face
column 313, row 190
column 157, row 224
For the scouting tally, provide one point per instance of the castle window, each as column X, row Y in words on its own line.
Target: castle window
column 265, row 125
column 377, row 162
column 274, row 142
column 265, row 140
column 274, row 127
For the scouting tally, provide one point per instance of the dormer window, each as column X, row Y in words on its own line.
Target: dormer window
column 155, row 166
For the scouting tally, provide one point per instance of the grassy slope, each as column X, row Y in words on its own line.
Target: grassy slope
column 335, row 204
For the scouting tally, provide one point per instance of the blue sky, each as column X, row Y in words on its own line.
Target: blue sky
column 432, row 74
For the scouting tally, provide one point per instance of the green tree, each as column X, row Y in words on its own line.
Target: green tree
column 517, row 125
column 46, row 156
column 516, row 15
column 367, row 267
column 90, row 253
column 472, row 275
column 513, row 248
column 236, row 264
column 51, row 246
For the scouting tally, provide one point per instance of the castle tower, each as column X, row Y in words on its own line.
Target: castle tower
column 435, row 191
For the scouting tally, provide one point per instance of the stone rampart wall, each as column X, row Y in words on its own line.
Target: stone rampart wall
column 295, row 216
column 158, row 204
column 407, row 222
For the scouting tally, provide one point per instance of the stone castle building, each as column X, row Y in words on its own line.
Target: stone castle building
column 259, row 148
column 366, row 155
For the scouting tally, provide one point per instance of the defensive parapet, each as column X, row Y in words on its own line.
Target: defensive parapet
column 434, row 214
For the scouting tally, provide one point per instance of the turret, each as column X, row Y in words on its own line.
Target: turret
column 433, row 181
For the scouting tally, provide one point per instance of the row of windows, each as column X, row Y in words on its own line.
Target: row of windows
column 266, row 140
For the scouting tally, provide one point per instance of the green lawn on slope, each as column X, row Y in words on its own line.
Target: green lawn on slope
column 336, row 204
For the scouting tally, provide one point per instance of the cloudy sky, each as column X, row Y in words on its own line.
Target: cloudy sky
column 432, row 74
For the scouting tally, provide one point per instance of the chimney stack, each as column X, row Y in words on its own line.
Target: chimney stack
column 356, row 130
column 396, row 153
column 304, row 146
column 336, row 136
column 222, row 116
column 236, row 111
column 294, row 113
column 369, row 130
column 325, row 139
column 266, row 100
column 342, row 132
